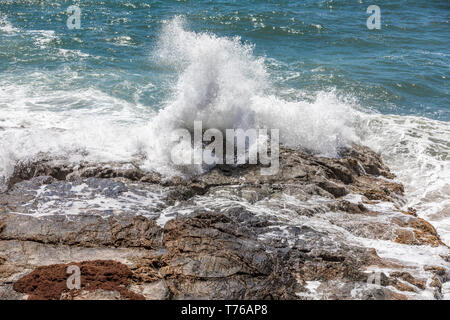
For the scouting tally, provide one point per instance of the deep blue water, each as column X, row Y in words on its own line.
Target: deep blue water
column 308, row 46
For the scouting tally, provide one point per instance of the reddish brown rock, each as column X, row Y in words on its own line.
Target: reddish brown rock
column 50, row 282
column 421, row 233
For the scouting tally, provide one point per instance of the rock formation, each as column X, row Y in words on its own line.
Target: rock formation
column 320, row 228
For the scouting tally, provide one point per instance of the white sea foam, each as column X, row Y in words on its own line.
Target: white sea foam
column 82, row 198
column 418, row 152
column 42, row 38
column 223, row 84
column 6, row 26
column 77, row 125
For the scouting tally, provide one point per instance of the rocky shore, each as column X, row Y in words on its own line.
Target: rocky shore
column 321, row 228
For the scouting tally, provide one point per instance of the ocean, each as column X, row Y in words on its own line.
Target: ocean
column 114, row 89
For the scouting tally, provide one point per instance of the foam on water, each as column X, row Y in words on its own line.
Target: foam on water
column 418, row 152
column 77, row 125
column 225, row 86
column 42, row 38
column 5, row 25
column 74, row 199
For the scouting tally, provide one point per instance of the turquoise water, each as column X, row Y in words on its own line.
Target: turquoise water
column 308, row 46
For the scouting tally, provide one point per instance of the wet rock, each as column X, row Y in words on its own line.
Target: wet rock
column 210, row 256
column 305, row 232
column 156, row 290
column 405, row 276
column 333, row 188
column 421, row 232
column 60, row 169
column 82, row 230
